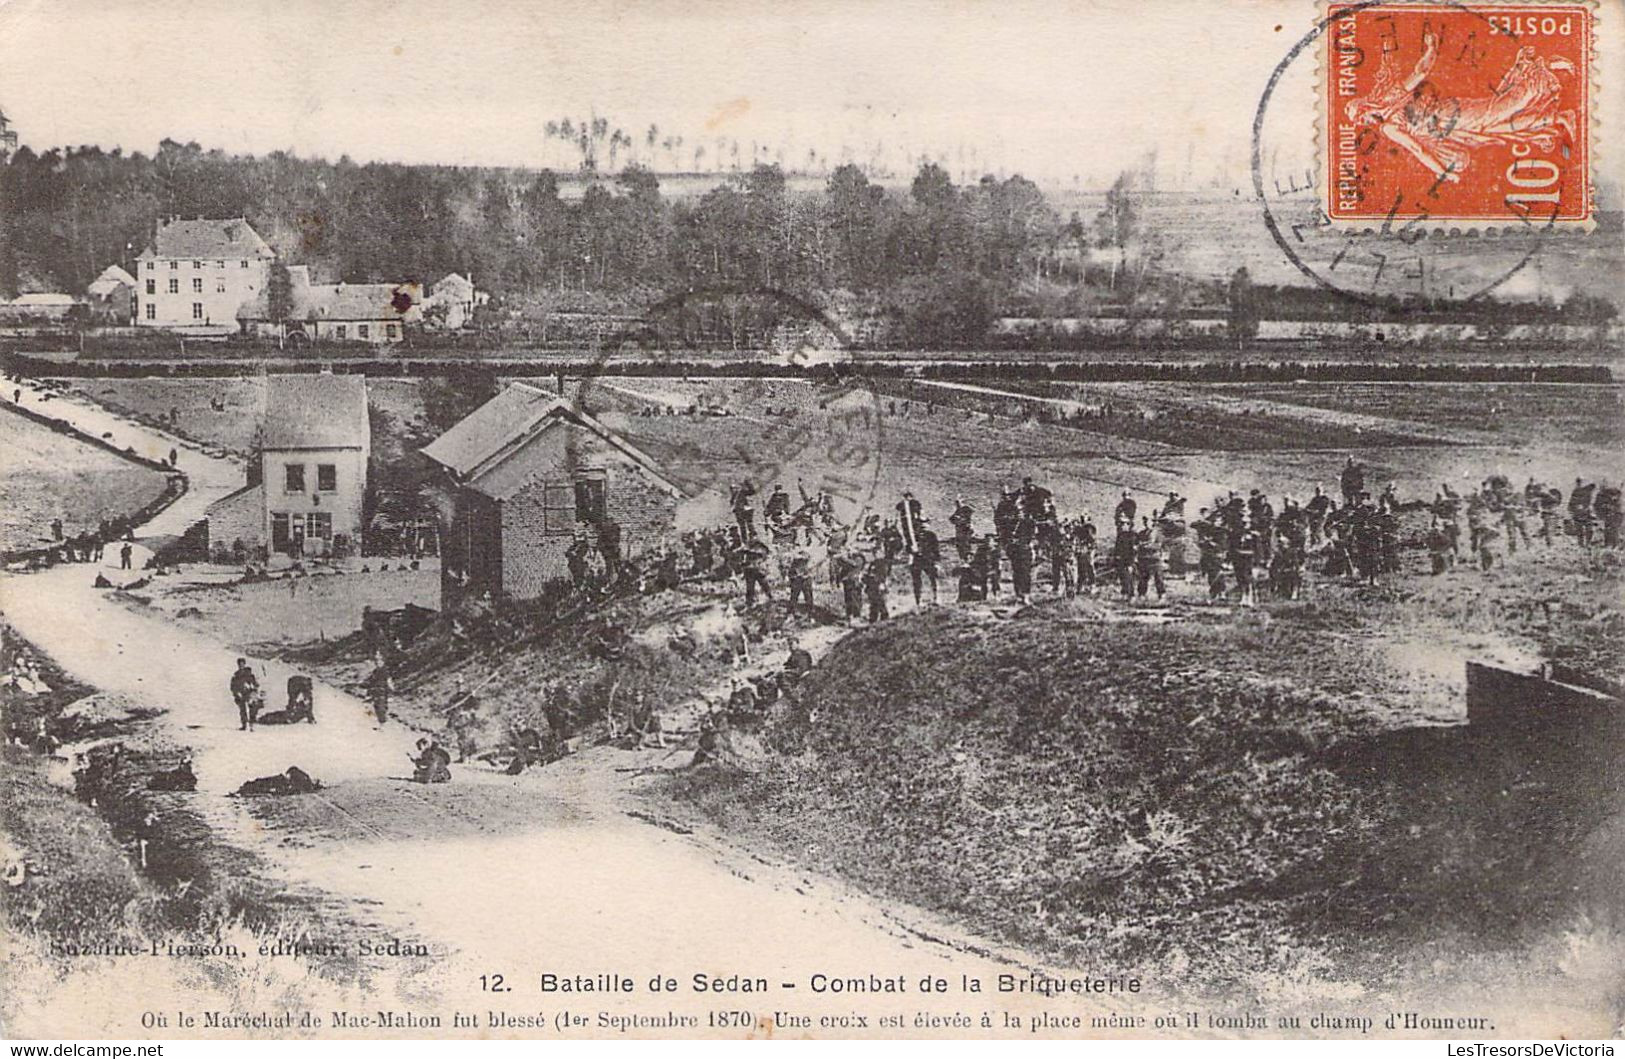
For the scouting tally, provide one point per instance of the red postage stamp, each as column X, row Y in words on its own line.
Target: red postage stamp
column 1458, row 112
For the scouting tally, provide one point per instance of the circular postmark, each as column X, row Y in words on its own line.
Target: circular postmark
column 785, row 457
column 1379, row 110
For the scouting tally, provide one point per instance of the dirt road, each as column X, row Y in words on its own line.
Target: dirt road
column 542, row 873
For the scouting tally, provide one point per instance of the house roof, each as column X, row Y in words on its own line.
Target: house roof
column 478, row 449
column 362, row 302
column 231, row 237
column 365, row 301
column 43, row 298
column 316, row 412
column 453, row 283
column 111, row 279
column 233, row 495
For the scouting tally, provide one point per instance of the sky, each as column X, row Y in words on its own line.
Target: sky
column 1062, row 91
column 1047, row 89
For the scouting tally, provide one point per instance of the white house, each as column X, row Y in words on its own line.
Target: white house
column 308, row 482
column 196, row 274
column 456, row 294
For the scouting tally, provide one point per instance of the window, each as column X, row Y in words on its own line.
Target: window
column 219, row 264
column 173, row 265
column 558, row 509
column 152, row 311
column 589, row 498
column 149, row 266
column 319, row 524
column 293, row 478
column 197, row 264
column 174, row 285
column 243, row 263
column 363, row 330
column 152, row 286
column 392, row 331
column 197, row 310
column 197, row 285
column 340, row 331
column 327, row 478
column 220, row 286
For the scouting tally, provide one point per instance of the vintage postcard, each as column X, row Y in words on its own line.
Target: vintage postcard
column 1069, row 518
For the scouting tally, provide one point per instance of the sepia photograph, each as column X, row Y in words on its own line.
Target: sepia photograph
column 543, row 520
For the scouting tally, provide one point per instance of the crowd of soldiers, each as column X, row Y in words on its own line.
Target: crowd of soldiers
column 90, row 546
column 1243, row 546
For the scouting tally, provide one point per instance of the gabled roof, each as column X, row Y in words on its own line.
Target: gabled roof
column 453, row 283
column 316, row 412
column 230, row 237
column 477, row 449
column 341, row 302
column 111, row 279
column 365, row 301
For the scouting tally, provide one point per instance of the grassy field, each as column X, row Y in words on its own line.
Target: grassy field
column 871, row 444
column 1227, row 799
column 1572, row 414
column 50, row 475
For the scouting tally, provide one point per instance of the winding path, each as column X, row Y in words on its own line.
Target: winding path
column 541, row 873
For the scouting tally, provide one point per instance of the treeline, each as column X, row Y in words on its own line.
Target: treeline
column 70, row 213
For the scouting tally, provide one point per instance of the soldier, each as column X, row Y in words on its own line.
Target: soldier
column 743, row 503
column 1352, row 481
column 964, row 539
column 908, row 523
column 778, row 504
column 846, row 567
column 923, row 564
column 749, row 558
column 1123, row 514
column 799, row 572
column 1021, row 559
column 1447, row 509
column 1243, row 556
column 875, row 576
column 1607, row 508
column 1084, row 545
column 1261, row 516
column 431, row 764
column 1005, row 517
column 1439, row 552
column 1124, row 550
column 1319, row 506
column 1512, row 522
column 463, row 720
column 1551, row 518
column 379, row 686
column 1489, row 532
column 1580, row 510
column 1148, row 558
column 245, row 690
column 983, row 570
column 1034, row 499
column 1210, row 548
